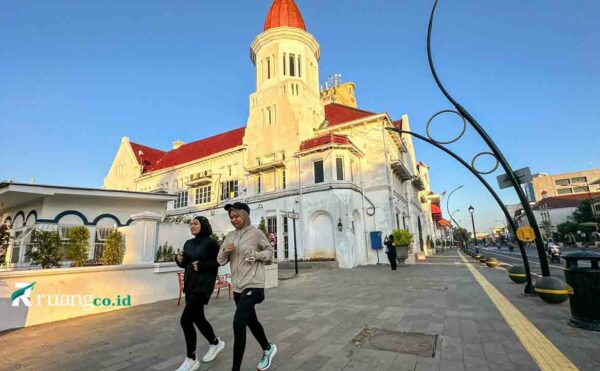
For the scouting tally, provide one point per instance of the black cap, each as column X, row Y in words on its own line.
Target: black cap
column 238, row 206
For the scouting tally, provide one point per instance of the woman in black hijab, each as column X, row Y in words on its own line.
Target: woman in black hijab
column 199, row 259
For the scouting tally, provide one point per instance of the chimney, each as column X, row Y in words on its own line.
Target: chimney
column 177, row 144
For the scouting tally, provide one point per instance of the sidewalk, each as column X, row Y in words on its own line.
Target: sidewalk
column 316, row 320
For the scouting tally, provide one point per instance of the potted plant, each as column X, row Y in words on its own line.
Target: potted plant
column 402, row 240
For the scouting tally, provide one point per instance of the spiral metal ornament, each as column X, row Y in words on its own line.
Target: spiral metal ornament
column 464, row 128
column 485, row 154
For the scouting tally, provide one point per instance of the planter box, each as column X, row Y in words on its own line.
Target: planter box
column 272, row 276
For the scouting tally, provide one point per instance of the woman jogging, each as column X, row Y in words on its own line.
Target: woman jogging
column 199, row 259
column 247, row 250
column 390, row 248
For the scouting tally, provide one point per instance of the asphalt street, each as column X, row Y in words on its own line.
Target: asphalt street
column 514, row 257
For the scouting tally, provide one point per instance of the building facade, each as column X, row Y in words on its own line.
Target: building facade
column 579, row 182
column 304, row 150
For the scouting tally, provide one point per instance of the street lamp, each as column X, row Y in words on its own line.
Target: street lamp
column 340, row 226
column 471, row 211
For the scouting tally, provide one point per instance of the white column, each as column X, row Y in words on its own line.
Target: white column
column 141, row 238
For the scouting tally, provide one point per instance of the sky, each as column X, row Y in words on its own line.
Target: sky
column 76, row 76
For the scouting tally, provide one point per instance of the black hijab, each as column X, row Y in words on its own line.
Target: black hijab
column 205, row 228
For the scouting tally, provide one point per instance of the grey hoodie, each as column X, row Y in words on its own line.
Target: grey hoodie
column 247, row 274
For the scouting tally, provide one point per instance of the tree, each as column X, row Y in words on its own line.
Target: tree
column 4, row 241
column 46, row 249
column 263, row 226
column 78, row 246
column 584, row 213
column 460, row 234
column 113, row 249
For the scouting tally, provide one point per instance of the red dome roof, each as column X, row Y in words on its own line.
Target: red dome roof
column 284, row 13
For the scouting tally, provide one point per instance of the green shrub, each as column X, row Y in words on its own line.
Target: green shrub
column 402, row 237
column 78, row 246
column 4, row 240
column 46, row 249
column 114, row 249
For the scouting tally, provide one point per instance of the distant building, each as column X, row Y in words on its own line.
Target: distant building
column 579, row 182
column 552, row 211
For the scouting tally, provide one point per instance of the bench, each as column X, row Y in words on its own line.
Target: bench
column 222, row 282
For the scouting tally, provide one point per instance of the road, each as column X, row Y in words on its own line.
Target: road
column 514, row 258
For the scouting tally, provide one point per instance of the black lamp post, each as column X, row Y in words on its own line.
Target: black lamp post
column 471, row 211
column 340, row 226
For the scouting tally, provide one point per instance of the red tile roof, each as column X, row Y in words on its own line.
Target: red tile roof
column 559, row 202
column 325, row 139
column 193, row 151
column 284, row 13
column 146, row 156
column 337, row 114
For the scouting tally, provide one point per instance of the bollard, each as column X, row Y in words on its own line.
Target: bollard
column 517, row 274
column 552, row 290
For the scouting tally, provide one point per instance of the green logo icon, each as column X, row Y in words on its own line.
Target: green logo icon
column 22, row 294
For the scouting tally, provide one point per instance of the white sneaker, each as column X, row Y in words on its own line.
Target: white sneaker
column 189, row 365
column 213, row 350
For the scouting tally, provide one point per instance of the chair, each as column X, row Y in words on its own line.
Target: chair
column 180, row 279
column 221, row 283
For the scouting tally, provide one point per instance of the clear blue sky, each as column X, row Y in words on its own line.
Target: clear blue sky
column 76, row 76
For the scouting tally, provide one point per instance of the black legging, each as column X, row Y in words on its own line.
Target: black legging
column 392, row 258
column 245, row 315
column 193, row 313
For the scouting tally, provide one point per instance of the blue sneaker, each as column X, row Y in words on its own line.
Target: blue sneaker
column 268, row 355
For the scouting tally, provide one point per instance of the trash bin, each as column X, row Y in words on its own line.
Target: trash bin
column 585, row 281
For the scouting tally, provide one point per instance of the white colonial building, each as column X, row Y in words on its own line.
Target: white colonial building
column 302, row 150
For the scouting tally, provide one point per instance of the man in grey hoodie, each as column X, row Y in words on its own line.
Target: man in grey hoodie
column 247, row 250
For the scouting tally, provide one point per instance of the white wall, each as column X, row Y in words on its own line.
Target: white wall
column 146, row 283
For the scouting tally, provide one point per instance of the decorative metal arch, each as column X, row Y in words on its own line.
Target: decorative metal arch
column 494, row 150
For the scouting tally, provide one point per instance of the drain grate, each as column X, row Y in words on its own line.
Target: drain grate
column 422, row 345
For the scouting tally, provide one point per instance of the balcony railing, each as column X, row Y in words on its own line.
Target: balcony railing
column 401, row 171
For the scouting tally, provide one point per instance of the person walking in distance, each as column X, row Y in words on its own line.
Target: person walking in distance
column 247, row 250
column 199, row 259
column 390, row 249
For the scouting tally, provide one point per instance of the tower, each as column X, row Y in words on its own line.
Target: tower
column 286, row 106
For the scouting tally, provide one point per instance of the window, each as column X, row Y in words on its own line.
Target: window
column 259, row 183
column 580, row 189
column 286, row 244
column 299, row 66
column 319, row 174
column 562, row 182
column 597, row 208
column 292, row 65
column 182, row 200
column 565, row 191
column 352, row 170
column 339, row 168
column 229, row 190
column 579, row 179
column 284, row 64
column 267, row 181
column 272, row 228
column 283, row 180
column 268, row 68
column 203, row 195
column 269, row 116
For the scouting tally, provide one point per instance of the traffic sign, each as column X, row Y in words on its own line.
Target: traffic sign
column 526, row 234
column 523, row 176
column 293, row 215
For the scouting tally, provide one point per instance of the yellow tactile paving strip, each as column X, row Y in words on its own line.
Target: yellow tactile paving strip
column 543, row 352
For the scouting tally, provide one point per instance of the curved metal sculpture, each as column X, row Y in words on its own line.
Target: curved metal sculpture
column 529, row 287
column 495, row 152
